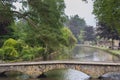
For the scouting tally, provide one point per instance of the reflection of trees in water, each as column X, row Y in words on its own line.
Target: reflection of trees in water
column 116, row 58
column 111, row 76
column 92, row 54
column 84, row 54
column 103, row 56
column 65, row 54
column 83, row 50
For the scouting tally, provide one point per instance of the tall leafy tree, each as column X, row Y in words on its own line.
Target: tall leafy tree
column 108, row 11
column 48, row 16
column 6, row 19
column 89, row 34
column 76, row 24
column 106, row 32
column 40, row 23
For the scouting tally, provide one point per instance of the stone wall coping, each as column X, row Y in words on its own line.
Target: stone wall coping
column 61, row 62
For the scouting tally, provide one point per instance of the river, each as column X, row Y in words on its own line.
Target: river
column 79, row 54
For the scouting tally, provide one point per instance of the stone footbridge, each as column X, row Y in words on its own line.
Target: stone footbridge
column 34, row 69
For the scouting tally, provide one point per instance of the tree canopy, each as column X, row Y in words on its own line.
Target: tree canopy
column 106, row 32
column 38, row 23
column 6, row 19
column 108, row 12
column 89, row 34
column 76, row 24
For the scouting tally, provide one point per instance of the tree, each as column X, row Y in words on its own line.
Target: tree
column 106, row 32
column 69, row 38
column 40, row 23
column 89, row 34
column 81, row 36
column 108, row 12
column 49, row 19
column 6, row 20
column 76, row 24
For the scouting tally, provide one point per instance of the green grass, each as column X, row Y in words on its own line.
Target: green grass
column 117, row 52
column 114, row 52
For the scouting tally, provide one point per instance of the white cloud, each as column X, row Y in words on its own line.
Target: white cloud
column 83, row 9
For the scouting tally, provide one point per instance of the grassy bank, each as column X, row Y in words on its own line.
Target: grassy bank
column 114, row 52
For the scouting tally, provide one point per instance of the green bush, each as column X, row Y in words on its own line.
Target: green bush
column 38, row 51
column 27, row 56
column 29, row 53
column 69, row 38
column 10, row 53
column 1, row 54
column 20, row 45
column 12, row 49
column 17, row 44
column 10, row 43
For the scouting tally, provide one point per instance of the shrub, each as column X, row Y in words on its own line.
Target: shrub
column 10, row 43
column 69, row 38
column 28, row 57
column 12, row 49
column 1, row 54
column 17, row 44
column 10, row 53
column 38, row 51
column 29, row 53
column 20, row 45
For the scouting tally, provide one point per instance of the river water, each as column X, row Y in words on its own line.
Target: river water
column 79, row 54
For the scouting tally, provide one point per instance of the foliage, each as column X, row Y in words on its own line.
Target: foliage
column 69, row 38
column 5, row 21
column 89, row 34
column 10, row 53
column 10, row 43
column 17, row 49
column 38, row 27
column 106, row 32
column 81, row 36
column 108, row 12
column 49, row 19
column 10, row 48
column 52, row 40
column 1, row 54
column 29, row 53
column 51, row 12
column 76, row 24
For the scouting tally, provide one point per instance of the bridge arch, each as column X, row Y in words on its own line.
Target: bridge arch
column 63, row 66
column 11, row 72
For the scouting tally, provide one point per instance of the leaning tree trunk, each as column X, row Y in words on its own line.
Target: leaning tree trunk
column 45, row 52
column 112, row 44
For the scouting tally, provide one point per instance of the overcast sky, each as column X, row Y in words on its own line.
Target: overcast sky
column 84, row 10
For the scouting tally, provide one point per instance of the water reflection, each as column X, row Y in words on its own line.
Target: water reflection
column 66, row 74
column 85, row 54
column 61, row 74
column 111, row 76
column 92, row 54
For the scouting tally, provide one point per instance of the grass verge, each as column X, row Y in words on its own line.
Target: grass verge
column 114, row 52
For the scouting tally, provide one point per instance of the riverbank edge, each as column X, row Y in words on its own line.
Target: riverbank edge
column 113, row 52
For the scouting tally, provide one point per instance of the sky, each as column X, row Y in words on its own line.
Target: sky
column 83, row 9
